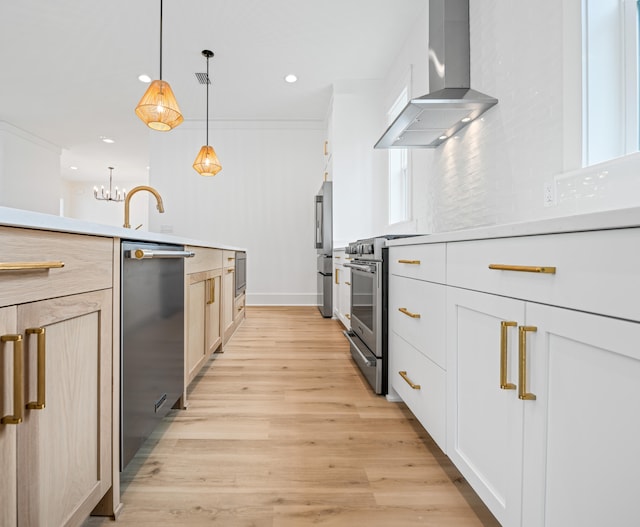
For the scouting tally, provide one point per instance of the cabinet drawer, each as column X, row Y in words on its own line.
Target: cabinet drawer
column 205, row 259
column 229, row 258
column 417, row 314
column 594, row 271
column 424, row 262
column 428, row 402
column 88, row 264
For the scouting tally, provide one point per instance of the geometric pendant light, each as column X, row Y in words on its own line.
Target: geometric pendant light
column 206, row 163
column 158, row 107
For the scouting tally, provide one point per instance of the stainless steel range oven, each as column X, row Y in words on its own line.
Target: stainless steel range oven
column 369, row 293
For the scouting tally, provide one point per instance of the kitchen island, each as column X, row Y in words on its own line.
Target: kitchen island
column 60, row 363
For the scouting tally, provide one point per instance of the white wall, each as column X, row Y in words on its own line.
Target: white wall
column 80, row 203
column 29, row 171
column 262, row 200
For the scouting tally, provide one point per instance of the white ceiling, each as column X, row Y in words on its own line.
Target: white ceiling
column 69, row 68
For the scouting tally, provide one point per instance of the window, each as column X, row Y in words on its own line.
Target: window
column 398, row 169
column 610, row 79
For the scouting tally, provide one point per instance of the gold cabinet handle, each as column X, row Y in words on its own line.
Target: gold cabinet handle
column 522, row 370
column 230, row 270
column 403, row 374
column 18, row 390
column 347, row 316
column 405, row 311
column 409, row 262
column 337, row 281
column 39, row 404
column 347, row 283
column 30, row 266
column 504, row 325
column 326, row 148
column 523, row 268
column 212, row 290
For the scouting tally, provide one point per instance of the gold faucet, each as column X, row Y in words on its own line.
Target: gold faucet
column 130, row 194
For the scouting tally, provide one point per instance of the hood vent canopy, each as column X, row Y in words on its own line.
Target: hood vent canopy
column 451, row 104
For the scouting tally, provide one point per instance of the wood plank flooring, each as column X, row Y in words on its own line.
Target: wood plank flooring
column 282, row 431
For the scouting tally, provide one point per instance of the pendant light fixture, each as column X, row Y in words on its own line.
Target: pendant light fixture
column 158, row 107
column 206, row 163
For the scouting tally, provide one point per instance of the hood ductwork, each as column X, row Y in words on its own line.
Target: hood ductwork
column 451, row 104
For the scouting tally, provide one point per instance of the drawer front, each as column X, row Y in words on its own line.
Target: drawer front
column 597, row 271
column 88, row 264
column 424, row 262
column 417, row 314
column 428, row 402
column 229, row 258
column 205, row 259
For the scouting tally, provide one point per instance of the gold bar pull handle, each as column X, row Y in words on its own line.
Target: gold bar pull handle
column 30, row 266
column 18, row 390
column 403, row 374
column 347, row 283
column 39, row 404
column 230, row 270
column 522, row 369
column 405, row 311
column 504, row 325
column 337, row 280
column 523, row 268
column 409, row 262
column 347, row 316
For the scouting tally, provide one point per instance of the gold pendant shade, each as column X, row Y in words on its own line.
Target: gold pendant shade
column 206, row 163
column 158, row 107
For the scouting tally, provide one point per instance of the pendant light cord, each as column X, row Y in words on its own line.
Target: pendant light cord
column 208, row 82
column 160, row 39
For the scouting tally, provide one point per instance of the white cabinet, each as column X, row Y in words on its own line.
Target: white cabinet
column 417, row 351
column 542, row 410
column 582, row 433
column 485, row 421
column 342, row 288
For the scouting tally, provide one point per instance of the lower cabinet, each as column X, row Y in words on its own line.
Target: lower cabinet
column 56, row 463
column 542, row 409
column 228, row 303
column 203, row 316
column 342, row 288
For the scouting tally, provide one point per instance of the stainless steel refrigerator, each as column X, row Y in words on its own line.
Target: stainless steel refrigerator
column 324, row 247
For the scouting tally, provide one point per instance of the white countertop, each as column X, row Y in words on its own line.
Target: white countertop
column 36, row 220
column 614, row 219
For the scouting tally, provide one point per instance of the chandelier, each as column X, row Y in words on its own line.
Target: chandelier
column 109, row 195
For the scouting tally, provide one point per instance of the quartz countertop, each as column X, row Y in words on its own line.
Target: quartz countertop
column 36, row 220
column 613, row 219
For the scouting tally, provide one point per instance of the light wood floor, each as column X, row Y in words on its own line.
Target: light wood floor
column 283, row 432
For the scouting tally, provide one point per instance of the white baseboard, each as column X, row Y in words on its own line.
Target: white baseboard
column 282, row 299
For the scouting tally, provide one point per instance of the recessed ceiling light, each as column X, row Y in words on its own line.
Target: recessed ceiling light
column 291, row 78
column 144, row 78
column 465, row 119
column 106, row 139
column 73, row 168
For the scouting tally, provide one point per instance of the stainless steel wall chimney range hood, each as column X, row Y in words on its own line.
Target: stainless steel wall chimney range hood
column 451, row 104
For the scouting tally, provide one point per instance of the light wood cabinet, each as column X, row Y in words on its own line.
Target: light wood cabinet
column 228, row 302
column 203, row 292
column 57, row 462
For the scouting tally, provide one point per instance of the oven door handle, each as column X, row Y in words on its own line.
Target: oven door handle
column 144, row 254
column 369, row 361
column 364, row 268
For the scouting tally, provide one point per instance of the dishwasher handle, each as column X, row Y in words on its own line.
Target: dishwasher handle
column 143, row 254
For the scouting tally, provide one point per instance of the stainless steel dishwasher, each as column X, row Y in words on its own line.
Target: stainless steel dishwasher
column 152, row 339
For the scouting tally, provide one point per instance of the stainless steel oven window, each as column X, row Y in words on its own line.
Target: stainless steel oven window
column 363, row 300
